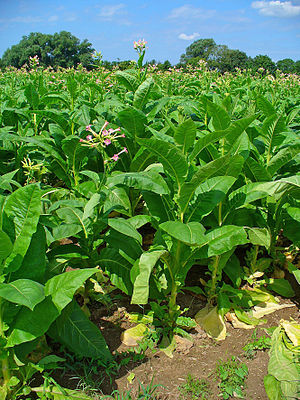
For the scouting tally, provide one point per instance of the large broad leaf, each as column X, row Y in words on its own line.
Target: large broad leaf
column 272, row 130
column 147, row 180
column 23, row 291
column 128, row 79
column 273, row 388
column 220, row 118
column 5, row 246
column 117, row 268
column 125, row 227
column 29, row 325
column 185, row 134
column 208, row 195
column 169, row 155
column 225, row 238
column 73, row 149
column 259, row 237
column 57, row 393
column 283, row 365
column 117, row 199
column 142, row 93
column 133, row 121
column 62, row 287
column 79, row 334
column 32, row 95
column 265, row 106
column 217, row 167
column 230, row 134
column 23, row 207
column 256, row 171
column 282, row 287
column 282, row 158
column 141, row 284
column 34, row 263
column 191, row 233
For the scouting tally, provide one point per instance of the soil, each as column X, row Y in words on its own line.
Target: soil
column 198, row 358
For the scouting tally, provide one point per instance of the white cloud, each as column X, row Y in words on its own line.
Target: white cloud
column 110, row 11
column 184, row 36
column 53, row 18
column 26, row 19
column 276, row 8
column 189, row 12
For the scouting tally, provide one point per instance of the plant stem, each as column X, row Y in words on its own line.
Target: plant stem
column 214, row 275
column 4, row 362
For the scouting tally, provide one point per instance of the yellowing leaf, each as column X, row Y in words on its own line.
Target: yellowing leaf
column 212, row 322
column 131, row 336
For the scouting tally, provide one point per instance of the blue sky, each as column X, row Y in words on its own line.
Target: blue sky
column 169, row 26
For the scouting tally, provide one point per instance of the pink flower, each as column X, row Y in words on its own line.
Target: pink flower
column 107, row 142
column 125, row 150
column 115, row 157
column 105, row 132
column 81, row 140
column 122, row 135
column 89, row 137
column 88, row 127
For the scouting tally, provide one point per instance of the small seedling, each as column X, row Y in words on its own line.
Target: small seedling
column 231, row 375
column 195, row 389
column 261, row 343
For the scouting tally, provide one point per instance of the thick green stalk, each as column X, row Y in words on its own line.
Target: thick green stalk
column 214, row 276
column 4, row 362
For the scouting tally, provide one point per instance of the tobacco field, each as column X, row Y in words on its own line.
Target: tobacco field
column 150, row 187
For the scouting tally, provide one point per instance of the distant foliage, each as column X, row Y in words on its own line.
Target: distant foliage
column 61, row 49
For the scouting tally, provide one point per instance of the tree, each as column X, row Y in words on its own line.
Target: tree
column 261, row 61
column 297, row 67
column 61, row 49
column 224, row 59
column 287, row 65
column 201, row 49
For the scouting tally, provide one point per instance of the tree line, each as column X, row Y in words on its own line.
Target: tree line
column 66, row 50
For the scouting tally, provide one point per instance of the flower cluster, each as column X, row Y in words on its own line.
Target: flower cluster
column 103, row 139
column 34, row 62
column 140, row 45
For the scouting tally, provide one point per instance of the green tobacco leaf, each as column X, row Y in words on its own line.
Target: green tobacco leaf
column 123, row 226
column 272, row 128
column 283, row 365
column 230, row 134
column 185, row 134
column 283, row 157
column 133, row 121
column 32, row 96
column 62, row 287
column 282, row 287
column 128, row 79
column 141, row 284
column 220, row 118
column 142, row 93
column 273, row 388
column 256, row 171
column 191, row 233
column 146, row 180
column 34, row 263
column 208, row 195
column 169, row 155
column 5, row 245
column 59, row 393
column 23, row 291
column 216, row 167
column 259, row 237
column 225, row 238
column 29, row 325
column 23, row 207
column 117, row 199
column 265, row 106
column 117, row 268
column 93, row 202
column 79, row 334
